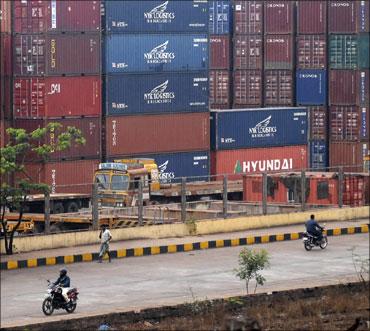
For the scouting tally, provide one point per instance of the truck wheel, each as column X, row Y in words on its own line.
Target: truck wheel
column 58, row 208
column 72, row 207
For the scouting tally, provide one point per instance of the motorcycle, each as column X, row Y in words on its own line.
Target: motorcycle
column 56, row 298
column 310, row 241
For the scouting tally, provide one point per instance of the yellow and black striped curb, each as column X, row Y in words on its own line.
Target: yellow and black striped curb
column 175, row 248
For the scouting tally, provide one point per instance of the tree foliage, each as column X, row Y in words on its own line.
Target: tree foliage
column 250, row 264
column 16, row 183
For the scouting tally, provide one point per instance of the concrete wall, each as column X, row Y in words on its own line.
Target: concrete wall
column 39, row 242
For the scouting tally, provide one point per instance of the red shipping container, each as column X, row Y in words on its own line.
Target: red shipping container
column 278, row 52
column 349, row 87
column 279, row 17
column 248, row 52
column 311, row 17
column 5, row 97
column 247, row 88
column 5, row 54
column 349, row 155
column 311, row 52
column 248, row 17
column 57, row 54
column 57, row 97
column 5, row 16
column 345, row 123
column 348, row 16
column 219, row 52
column 37, row 16
column 318, row 122
column 89, row 126
column 219, row 89
column 257, row 160
column 65, row 176
column 157, row 133
column 278, row 88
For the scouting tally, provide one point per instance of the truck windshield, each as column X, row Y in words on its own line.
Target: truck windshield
column 102, row 181
column 120, row 183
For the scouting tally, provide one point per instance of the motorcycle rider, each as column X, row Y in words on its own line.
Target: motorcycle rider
column 314, row 229
column 64, row 281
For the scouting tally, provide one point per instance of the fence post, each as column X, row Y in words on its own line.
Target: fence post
column 140, row 203
column 224, row 195
column 340, row 188
column 47, row 212
column 303, row 190
column 95, row 207
column 183, row 199
column 264, row 193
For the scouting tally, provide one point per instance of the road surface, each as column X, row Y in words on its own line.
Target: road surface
column 135, row 283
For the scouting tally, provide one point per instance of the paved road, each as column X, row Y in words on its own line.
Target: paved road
column 136, row 283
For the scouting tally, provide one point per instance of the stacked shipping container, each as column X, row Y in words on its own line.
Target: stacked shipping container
column 220, row 38
column 156, row 83
column 348, row 83
column 248, row 54
column 56, row 78
column 311, row 75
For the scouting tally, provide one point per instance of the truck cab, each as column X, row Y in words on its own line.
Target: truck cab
column 118, row 182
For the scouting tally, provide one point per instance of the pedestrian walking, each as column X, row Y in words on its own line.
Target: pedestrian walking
column 105, row 237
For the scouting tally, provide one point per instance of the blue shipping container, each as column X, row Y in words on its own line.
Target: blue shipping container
column 311, row 87
column 318, row 154
column 157, row 93
column 156, row 53
column 173, row 166
column 262, row 127
column 156, row 16
column 220, row 17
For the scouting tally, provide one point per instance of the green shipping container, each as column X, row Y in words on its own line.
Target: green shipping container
column 349, row 51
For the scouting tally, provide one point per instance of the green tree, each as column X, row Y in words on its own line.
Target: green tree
column 250, row 264
column 42, row 143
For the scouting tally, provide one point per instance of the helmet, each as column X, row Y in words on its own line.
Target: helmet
column 63, row 272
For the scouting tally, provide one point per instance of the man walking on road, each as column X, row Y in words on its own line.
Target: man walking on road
column 105, row 237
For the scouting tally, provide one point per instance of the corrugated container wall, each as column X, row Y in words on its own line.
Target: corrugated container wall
column 311, row 52
column 6, row 54
column 5, row 16
column 318, row 122
column 263, row 127
column 56, row 16
column 155, row 53
column 248, row 17
column 365, row 122
column 57, row 54
column 220, row 48
column 348, row 155
column 157, row 134
column 279, row 17
column 278, row 52
column 159, row 93
column 172, row 166
column 5, row 99
column 220, row 17
column 90, row 128
column 219, row 84
column 50, row 97
column 247, row 88
column 311, row 87
column 248, row 52
column 348, row 16
column 156, row 16
column 318, row 154
column 311, row 17
column 345, row 123
column 64, row 177
column 279, row 85
column 257, row 160
column 349, row 51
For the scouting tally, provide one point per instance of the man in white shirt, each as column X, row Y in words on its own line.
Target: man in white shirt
column 105, row 237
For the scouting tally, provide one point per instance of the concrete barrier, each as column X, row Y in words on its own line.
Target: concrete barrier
column 60, row 240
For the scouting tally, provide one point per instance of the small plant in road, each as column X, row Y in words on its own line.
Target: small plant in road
column 250, row 264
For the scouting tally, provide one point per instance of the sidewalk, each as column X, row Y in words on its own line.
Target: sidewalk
column 131, row 244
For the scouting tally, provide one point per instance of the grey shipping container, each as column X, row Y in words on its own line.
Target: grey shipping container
column 279, row 87
column 260, row 127
column 155, row 52
column 158, row 93
column 156, row 16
